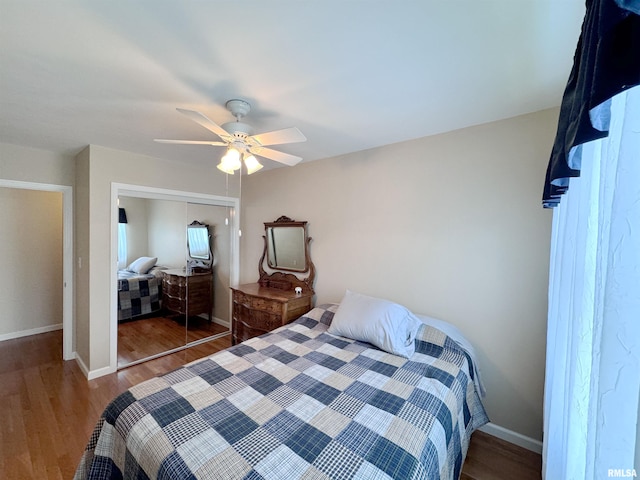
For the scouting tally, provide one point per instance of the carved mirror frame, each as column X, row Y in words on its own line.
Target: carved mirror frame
column 197, row 264
column 286, row 281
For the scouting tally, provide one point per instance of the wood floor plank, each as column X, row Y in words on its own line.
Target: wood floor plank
column 50, row 410
column 490, row 458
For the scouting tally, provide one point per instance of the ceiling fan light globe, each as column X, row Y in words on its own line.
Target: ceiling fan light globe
column 223, row 168
column 252, row 164
column 231, row 160
column 231, row 155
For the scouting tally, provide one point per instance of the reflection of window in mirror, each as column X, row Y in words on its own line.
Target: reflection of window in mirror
column 198, row 241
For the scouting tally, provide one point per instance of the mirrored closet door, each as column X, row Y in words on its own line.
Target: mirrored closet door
column 208, row 279
column 174, row 271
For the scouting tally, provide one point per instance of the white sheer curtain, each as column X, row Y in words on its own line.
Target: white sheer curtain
column 592, row 381
column 122, row 246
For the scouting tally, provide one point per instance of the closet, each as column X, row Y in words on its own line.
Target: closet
column 190, row 245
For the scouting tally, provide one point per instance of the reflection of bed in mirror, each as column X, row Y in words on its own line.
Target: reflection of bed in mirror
column 139, row 288
column 140, row 285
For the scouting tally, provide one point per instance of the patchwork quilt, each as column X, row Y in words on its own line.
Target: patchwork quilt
column 296, row 403
column 137, row 294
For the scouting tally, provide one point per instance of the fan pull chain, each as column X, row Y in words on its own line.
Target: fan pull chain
column 226, row 194
column 240, row 196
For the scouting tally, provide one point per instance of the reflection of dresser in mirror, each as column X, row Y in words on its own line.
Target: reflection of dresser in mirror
column 277, row 298
column 189, row 291
column 186, row 293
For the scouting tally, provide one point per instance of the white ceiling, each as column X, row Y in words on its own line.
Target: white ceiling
column 349, row 74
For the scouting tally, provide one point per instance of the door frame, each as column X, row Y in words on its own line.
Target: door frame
column 155, row 193
column 68, row 320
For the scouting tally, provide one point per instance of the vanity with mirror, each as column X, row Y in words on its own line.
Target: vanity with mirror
column 189, row 291
column 278, row 297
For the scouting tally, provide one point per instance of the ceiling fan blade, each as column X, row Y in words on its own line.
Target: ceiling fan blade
column 278, row 137
column 206, row 122
column 281, row 157
column 190, row 142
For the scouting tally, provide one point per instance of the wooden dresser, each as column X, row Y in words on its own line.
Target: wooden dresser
column 187, row 294
column 258, row 310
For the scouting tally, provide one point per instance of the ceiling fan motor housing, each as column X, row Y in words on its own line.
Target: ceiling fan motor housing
column 238, row 129
column 238, row 108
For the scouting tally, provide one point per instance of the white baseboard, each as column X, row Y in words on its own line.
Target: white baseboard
column 219, row 321
column 100, row 372
column 82, row 365
column 31, row 331
column 512, row 437
column 91, row 374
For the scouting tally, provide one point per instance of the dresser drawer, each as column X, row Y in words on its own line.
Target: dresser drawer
column 255, row 319
column 187, row 294
column 298, row 307
column 250, row 323
column 258, row 303
column 258, row 310
column 175, row 289
column 175, row 304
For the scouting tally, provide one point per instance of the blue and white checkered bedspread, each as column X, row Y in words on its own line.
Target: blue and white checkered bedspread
column 296, row 403
column 138, row 294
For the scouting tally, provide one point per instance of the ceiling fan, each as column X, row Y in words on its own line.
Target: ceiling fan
column 241, row 144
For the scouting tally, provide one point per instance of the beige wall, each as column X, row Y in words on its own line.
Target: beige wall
column 167, row 226
column 32, row 165
column 81, row 247
column 450, row 226
column 30, row 260
column 99, row 167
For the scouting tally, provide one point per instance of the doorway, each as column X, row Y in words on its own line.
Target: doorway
column 68, row 352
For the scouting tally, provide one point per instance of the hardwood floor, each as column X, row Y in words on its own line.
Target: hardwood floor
column 168, row 333
column 49, row 410
column 490, row 458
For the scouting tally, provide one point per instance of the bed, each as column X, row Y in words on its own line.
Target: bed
column 298, row 402
column 139, row 293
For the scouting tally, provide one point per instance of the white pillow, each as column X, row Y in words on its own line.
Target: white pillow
column 142, row 264
column 387, row 325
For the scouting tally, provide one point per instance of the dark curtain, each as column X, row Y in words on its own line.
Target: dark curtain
column 122, row 215
column 606, row 62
